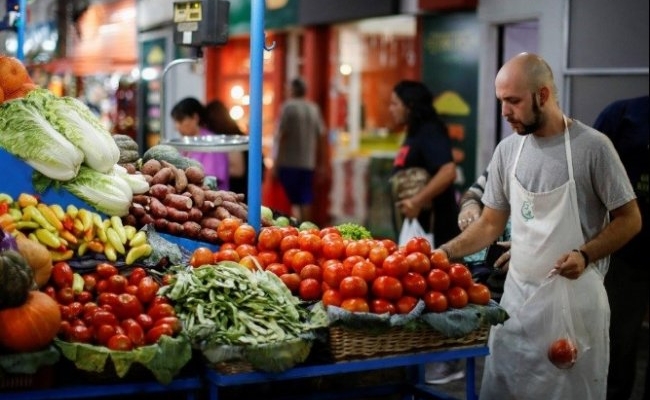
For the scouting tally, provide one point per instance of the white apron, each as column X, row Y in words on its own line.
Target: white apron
column 544, row 226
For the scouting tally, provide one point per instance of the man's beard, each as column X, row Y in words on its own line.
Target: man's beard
column 537, row 120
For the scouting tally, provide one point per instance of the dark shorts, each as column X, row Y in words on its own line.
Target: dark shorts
column 298, row 184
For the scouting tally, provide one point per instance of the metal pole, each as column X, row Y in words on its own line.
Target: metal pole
column 257, row 46
column 22, row 22
column 163, row 94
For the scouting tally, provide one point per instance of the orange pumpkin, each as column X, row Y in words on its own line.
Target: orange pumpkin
column 31, row 326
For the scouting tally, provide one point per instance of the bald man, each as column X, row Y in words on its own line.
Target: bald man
column 571, row 205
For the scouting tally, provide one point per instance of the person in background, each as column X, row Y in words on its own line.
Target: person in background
column 426, row 145
column 627, row 282
column 296, row 148
column 489, row 265
column 565, row 190
column 219, row 121
column 190, row 119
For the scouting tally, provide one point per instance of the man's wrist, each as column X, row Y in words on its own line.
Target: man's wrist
column 584, row 255
column 469, row 202
column 445, row 249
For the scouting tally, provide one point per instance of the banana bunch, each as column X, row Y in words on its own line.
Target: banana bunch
column 72, row 231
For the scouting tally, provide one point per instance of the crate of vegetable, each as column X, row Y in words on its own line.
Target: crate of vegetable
column 233, row 314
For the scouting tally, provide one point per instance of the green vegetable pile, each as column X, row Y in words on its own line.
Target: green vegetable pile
column 228, row 304
column 352, row 231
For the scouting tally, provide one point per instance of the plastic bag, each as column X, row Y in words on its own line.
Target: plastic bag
column 552, row 323
column 411, row 228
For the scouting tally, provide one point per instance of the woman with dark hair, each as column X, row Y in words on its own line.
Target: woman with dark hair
column 426, row 149
column 190, row 119
column 426, row 146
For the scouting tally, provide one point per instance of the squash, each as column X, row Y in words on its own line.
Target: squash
column 38, row 257
column 32, row 325
column 16, row 279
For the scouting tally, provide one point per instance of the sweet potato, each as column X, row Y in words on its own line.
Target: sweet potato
column 159, row 190
column 194, row 175
column 157, row 208
column 221, row 213
column 195, row 214
column 175, row 228
column 151, row 167
column 161, row 224
column 177, row 215
column 212, row 223
column 163, row 176
column 236, row 210
column 141, row 199
column 145, row 220
column 137, row 210
column 197, row 194
column 178, row 201
column 209, row 235
column 191, row 229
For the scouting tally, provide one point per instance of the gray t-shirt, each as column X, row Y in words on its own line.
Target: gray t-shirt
column 601, row 181
column 296, row 141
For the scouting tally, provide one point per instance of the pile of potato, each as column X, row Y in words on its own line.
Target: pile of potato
column 179, row 204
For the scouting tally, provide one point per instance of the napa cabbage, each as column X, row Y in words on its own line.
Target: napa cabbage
column 27, row 134
column 74, row 120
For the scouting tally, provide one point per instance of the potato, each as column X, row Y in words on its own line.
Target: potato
column 194, row 175
column 151, row 167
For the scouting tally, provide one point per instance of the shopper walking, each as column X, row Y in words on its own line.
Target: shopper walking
column 190, row 119
column 296, row 145
column 560, row 182
column 627, row 282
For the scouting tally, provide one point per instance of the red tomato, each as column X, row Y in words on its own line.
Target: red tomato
column 90, row 280
column 76, row 309
column 226, row 255
column 160, row 311
column 145, row 321
column 119, row 342
column 357, row 248
column 103, row 317
column 88, row 312
column 418, row 262
column 226, row 229
column 378, row 254
column 333, row 274
column 244, row 234
column 289, row 231
column 414, row 284
column 278, row 268
column 435, row 301
column 350, row 261
column 174, row 322
column 457, row 297
column 153, row 335
column 382, row 306
column 266, row 257
column 332, row 297
column 355, row 305
column 395, row 265
column 333, row 249
column 309, row 289
column 147, row 289
column 291, row 281
column 478, row 293
column 406, row 304
column 460, row 275
column 563, row 353
column 387, row 287
column 80, row 334
column 418, row 244
column 133, row 331
column 311, row 271
column 438, row 280
column 65, row 295
column 353, row 286
column 287, row 256
column 103, row 333
column 61, row 274
column 329, row 230
column 300, row 259
column 365, row 270
column 389, row 244
column 131, row 289
column 136, row 275
column 128, row 306
column 269, row 238
column 439, row 260
column 251, row 262
column 107, row 298
column 289, row 242
column 246, row 249
column 106, row 270
column 117, row 284
column 310, row 242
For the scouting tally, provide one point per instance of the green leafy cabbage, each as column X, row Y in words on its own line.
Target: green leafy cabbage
column 27, row 134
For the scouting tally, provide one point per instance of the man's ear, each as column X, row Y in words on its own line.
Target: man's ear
column 544, row 95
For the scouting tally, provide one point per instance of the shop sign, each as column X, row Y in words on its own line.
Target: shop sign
column 312, row 12
column 278, row 14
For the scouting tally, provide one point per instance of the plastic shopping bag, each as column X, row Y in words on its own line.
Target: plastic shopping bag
column 553, row 324
column 411, row 228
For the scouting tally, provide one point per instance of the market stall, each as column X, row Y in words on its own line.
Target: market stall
column 149, row 267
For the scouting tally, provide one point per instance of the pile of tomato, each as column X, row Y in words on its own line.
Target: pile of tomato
column 107, row 308
column 366, row 275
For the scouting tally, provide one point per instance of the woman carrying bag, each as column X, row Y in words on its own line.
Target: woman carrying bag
column 423, row 170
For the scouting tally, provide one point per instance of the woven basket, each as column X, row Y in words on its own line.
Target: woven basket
column 233, row 367
column 42, row 379
column 349, row 344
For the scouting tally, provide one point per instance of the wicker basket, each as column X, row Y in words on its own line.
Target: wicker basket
column 233, row 367
column 349, row 344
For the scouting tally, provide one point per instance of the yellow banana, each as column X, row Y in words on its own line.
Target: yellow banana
column 100, row 229
column 86, row 218
column 130, row 231
column 31, row 213
column 109, row 252
column 138, row 239
column 48, row 238
column 114, row 240
column 58, row 211
column 116, row 223
column 72, row 211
